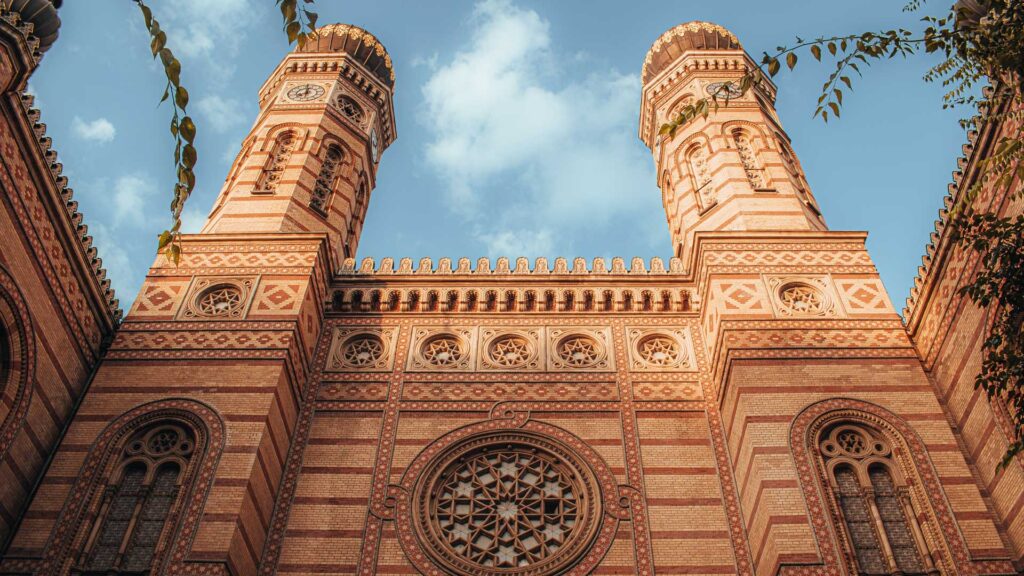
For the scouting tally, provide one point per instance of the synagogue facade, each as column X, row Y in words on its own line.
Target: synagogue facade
column 274, row 405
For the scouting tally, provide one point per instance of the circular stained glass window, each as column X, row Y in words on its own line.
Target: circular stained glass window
column 507, row 503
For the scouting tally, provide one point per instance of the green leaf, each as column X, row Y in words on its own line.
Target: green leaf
column 173, row 71
column 174, row 253
column 188, row 129
column 181, row 97
column 158, row 42
column 816, row 52
column 189, row 156
column 147, row 14
column 292, row 29
column 288, row 11
column 166, row 56
column 164, row 239
column 311, row 17
column 791, row 60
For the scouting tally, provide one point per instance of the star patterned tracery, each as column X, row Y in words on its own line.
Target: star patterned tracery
column 510, row 351
column 363, row 350
column 220, row 301
column 579, row 351
column 443, row 351
column 507, row 509
column 801, row 298
column 659, row 351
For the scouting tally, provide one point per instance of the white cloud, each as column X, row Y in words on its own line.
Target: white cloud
column 192, row 220
column 130, row 197
column 222, row 114
column 513, row 130
column 205, row 28
column 517, row 243
column 125, row 278
column 99, row 130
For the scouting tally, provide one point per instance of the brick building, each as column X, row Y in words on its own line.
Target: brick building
column 271, row 405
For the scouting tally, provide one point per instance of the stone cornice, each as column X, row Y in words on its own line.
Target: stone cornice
column 66, row 208
column 978, row 146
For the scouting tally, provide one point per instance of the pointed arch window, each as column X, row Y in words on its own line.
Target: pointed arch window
column 137, row 503
column 751, row 166
column 879, row 524
column 274, row 169
column 697, row 159
column 323, row 188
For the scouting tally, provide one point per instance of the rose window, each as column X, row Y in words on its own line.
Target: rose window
column 579, row 351
column 350, row 109
column 163, row 441
column 510, row 351
column 508, row 504
column 223, row 300
column 443, row 351
column 850, row 441
column 659, row 350
column 363, row 350
column 802, row 299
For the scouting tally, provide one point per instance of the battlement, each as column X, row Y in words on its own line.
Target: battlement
column 503, row 266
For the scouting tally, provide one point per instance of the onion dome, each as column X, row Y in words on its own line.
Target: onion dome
column 43, row 16
column 694, row 35
column 357, row 43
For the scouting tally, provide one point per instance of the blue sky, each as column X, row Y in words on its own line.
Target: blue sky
column 517, row 123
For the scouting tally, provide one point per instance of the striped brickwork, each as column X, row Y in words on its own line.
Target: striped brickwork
column 948, row 331
column 57, row 310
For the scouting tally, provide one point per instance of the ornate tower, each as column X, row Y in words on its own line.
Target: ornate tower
column 734, row 170
column 310, row 161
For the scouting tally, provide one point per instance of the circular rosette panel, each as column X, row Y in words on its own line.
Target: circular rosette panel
column 506, row 501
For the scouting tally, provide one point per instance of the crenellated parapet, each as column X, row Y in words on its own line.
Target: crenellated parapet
column 486, row 286
column 503, row 266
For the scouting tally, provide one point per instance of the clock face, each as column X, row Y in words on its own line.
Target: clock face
column 724, row 90
column 306, row 92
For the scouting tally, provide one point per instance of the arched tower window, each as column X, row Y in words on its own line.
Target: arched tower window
column 324, row 185
column 872, row 501
column 697, row 159
column 755, row 174
column 273, row 170
column 139, row 498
